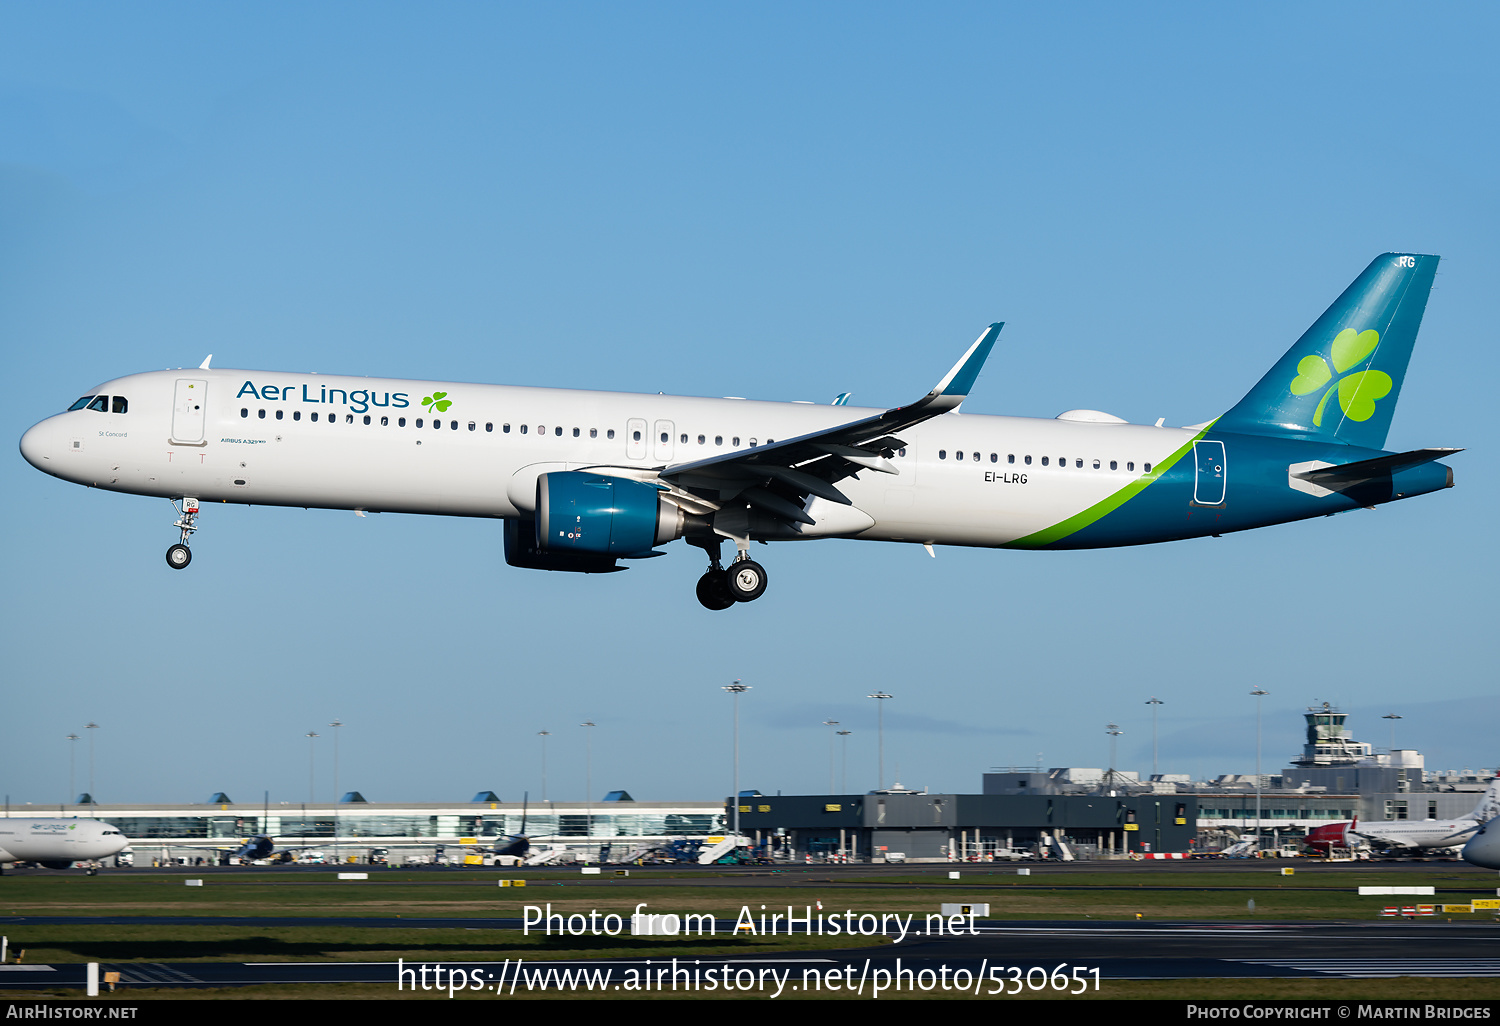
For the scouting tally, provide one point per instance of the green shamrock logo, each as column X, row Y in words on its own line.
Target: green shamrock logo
column 440, row 404
column 1359, row 392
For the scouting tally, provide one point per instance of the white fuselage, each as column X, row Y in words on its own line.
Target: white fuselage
column 251, row 437
column 58, row 840
column 1424, row 833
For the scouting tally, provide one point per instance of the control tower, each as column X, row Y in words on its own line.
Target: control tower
column 1329, row 743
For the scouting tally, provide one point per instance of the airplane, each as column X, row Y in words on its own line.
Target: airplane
column 585, row 479
column 1483, row 848
column 261, row 846
column 1409, row 833
column 58, row 843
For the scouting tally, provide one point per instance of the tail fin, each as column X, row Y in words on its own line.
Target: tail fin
column 1489, row 806
column 1340, row 381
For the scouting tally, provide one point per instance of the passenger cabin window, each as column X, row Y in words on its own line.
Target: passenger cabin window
column 280, row 414
column 296, row 414
column 610, row 433
column 1044, row 461
column 261, row 414
column 942, row 454
column 244, row 412
column 594, row 433
column 557, row 432
column 575, row 432
column 523, row 429
column 1146, row 467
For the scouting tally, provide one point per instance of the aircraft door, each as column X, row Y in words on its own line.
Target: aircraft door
column 188, row 410
column 635, row 439
column 1208, row 484
column 661, row 441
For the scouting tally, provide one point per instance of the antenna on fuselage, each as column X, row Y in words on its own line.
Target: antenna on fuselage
column 206, row 359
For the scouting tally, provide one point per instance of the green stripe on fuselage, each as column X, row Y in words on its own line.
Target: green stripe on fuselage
column 1078, row 521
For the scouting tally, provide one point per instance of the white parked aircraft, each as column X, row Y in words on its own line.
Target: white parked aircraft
column 58, row 843
column 585, row 479
column 1411, row 833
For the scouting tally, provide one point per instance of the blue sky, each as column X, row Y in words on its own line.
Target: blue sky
column 777, row 201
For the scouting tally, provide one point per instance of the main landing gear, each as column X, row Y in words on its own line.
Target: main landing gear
column 179, row 555
column 744, row 581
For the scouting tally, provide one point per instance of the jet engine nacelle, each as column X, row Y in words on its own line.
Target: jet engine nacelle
column 583, row 514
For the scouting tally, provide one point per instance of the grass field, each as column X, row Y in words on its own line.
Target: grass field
column 1148, row 893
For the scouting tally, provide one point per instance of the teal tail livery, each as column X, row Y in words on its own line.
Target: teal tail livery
column 585, row 480
column 1340, row 381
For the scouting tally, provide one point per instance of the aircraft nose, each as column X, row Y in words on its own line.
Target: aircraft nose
column 37, row 448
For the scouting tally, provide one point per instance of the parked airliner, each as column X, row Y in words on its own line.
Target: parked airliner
column 58, row 843
column 1409, row 833
column 583, row 480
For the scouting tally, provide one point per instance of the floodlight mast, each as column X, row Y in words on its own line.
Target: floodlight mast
column 736, row 689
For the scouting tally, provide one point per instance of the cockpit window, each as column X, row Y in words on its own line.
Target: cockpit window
column 120, row 404
column 100, row 403
column 80, row 404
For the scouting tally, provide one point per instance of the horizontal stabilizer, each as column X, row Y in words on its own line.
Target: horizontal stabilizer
column 1346, row 475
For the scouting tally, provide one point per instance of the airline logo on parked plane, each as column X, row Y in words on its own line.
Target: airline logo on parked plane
column 1359, row 392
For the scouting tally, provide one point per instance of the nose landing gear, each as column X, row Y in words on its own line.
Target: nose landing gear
column 179, row 555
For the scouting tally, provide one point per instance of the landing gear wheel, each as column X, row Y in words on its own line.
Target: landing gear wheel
column 179, row 556
column 747, row 580
column 713, row 590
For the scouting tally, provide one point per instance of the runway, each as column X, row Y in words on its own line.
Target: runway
column 1001, row 957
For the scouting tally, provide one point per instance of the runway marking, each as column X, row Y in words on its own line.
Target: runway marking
column 1385, row 967
column 155, row 972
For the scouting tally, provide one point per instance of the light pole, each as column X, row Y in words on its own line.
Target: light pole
column 91, row 726
column 844, row 781
column 736, row 690
column 1259, row 693
column 1154, row 702
column 1114, row 732
column 544, row 735
column 880, row 697
column 311, row 738
column 588, row 778
column 1393, row 717
column 336, row 724
column 72, row 794
column 831, row 737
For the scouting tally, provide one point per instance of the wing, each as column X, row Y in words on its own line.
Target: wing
column 777, row 478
